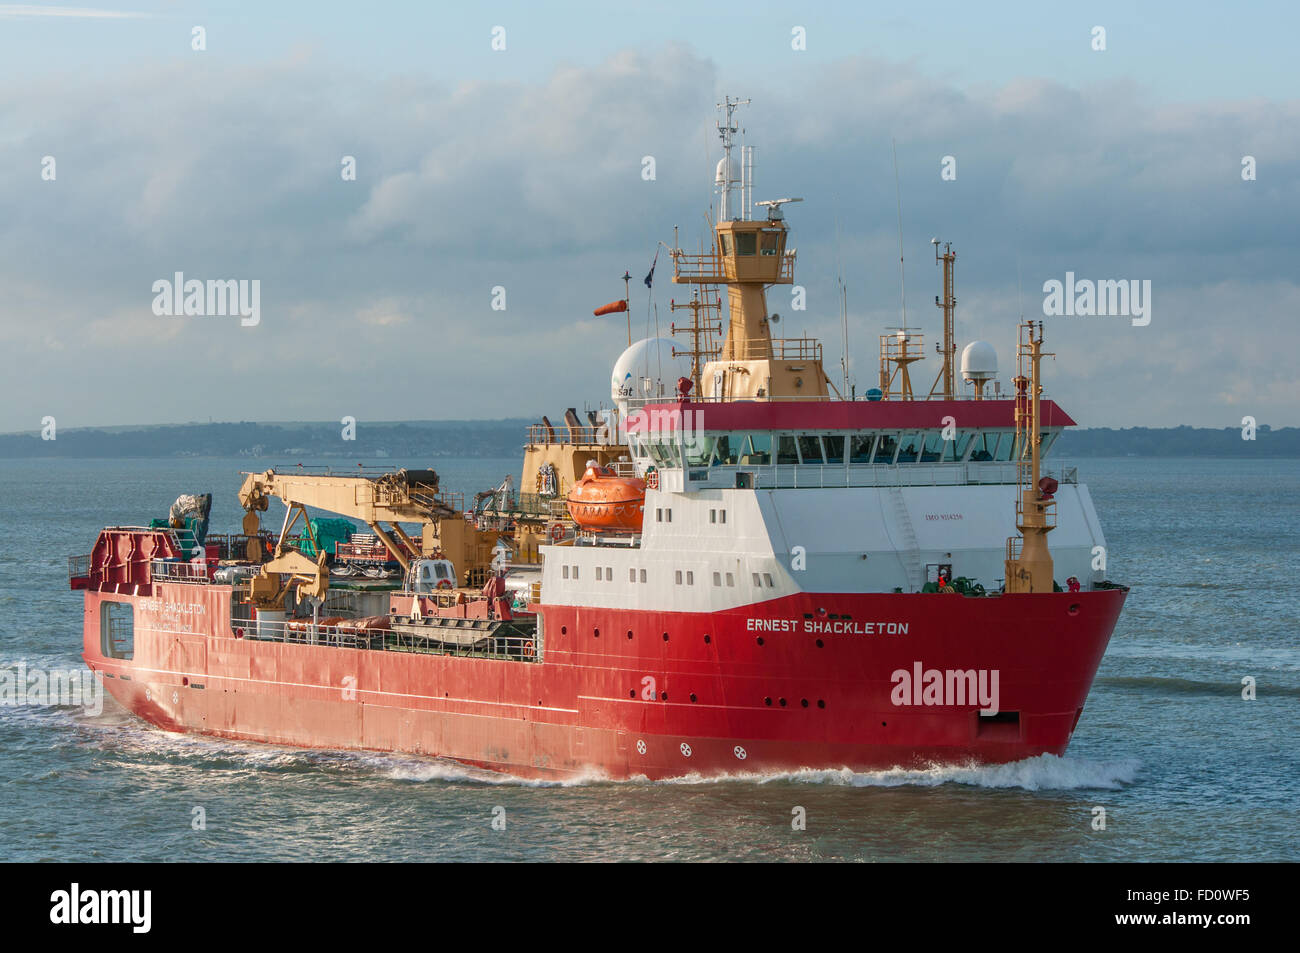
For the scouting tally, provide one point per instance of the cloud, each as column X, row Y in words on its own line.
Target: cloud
column 222, row 170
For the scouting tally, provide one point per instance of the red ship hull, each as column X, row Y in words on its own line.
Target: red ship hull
column 804, row 682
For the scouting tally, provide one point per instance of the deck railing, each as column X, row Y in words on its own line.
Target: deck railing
column 166, row 570
column 466, row 638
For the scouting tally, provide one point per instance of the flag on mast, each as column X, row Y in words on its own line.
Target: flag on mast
column 649, row 279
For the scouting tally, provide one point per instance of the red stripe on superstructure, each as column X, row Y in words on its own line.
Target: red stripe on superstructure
column 818, row 415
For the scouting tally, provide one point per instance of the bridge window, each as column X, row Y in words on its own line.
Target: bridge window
column 860, row 447
column 934, row 447
column 771, row 242
column 117, row 630
column 990, row 445
column 810, row 449
column 760, row 450
column 663, row 450
column 986, row 447
column 833, row 446
column 699, row 450
column 956, row 449
column 909, row 448
column 746, row 243
column 728, row 449
column 724, row 243
column 785, row 450
column 886, row 447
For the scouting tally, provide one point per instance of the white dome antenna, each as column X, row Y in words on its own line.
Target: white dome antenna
column 979, row 365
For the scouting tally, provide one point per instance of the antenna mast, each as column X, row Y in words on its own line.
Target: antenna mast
column 701, row 330
column 949, row 303
column 727, row 132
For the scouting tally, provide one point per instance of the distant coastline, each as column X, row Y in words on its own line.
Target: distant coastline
column 505, row 438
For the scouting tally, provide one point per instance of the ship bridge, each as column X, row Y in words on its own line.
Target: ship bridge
column 693, row 445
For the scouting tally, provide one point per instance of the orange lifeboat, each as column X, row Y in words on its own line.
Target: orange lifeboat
column 607, row 503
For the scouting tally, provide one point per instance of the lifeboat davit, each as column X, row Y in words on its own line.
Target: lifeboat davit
column 607, row 503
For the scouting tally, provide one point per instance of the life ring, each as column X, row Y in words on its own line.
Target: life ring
column 528, row 649
column 239, row 633
column 443, row 584
column 557, row 532
column 652, row 480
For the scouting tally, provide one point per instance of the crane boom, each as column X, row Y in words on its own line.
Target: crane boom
column 408, row 496
column 400, row 496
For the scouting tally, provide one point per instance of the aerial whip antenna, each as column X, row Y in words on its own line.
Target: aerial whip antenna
column 902, row 281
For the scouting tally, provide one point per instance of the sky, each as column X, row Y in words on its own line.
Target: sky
column 127, row 155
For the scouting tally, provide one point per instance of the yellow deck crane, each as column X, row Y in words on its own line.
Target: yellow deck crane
column 402, row 496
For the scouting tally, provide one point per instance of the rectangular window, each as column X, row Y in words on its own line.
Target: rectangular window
column 767, row 578
column 771, row 242
column 643, row 575
column 659, row 515
column 834, row 448
column 746, row 243
column 713, row 516
column 717, row 578
column 731, row 580
column 728, row 448
column 722, row 516
column 631, row 575
column 679, row 577
column 598, row 574
column 690, row 578
column 724, row 242
column 757, row 581
column 760, row 450
column 565, row 568
column 117, row 629
column 609, row 573
column 785, row 450
column 860, row 447
column 668, row 517
column 575, row 572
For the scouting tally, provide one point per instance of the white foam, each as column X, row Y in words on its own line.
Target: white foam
column 1043, row 773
